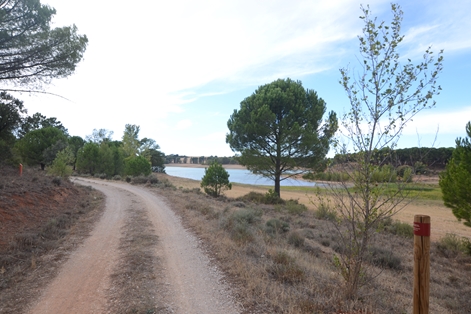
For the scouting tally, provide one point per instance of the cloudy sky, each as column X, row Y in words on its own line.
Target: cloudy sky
column 178, row 69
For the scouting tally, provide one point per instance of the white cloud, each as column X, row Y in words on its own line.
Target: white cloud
column 213, row 137
column 444, row 122
column 183, row 124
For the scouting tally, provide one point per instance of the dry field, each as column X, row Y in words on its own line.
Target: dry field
column 443, row 221
column 292, row 271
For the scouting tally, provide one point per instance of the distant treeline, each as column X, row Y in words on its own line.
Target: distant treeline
column 432, row 157
column 202, row 160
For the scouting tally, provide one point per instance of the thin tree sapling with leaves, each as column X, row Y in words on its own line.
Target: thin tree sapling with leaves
column 384, row 95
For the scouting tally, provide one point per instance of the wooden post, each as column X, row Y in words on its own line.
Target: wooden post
column 421, row 263
column 21, row 170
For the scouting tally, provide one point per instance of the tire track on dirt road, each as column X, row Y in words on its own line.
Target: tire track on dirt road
column 82, row 283
column 192, row 284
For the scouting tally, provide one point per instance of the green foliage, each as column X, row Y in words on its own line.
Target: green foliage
column 131, row 141
column 455, row 181
column 33, row 52
column 292, row 206
column 279, row 129
column 11, row 110
column 276, row 226
column 135, row 166
column 397, row 227
column 35, row 143
column 88, row 158
column 215, row 180
column 384, row 96
column 60, row 166
column 324, row 212
column 38, row 121
column 328, row 175
column 240, row 224
column 451, row 244
column 271, row 197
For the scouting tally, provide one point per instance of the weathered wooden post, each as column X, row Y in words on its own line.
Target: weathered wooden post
column 21, row 170
column 421, row 263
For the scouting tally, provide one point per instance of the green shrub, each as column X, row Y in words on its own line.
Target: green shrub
column 405, row 172
column 136, row 166
column 327, row 176
column 240, row 224
column 215, row 180
column 276, row 226
column 272, row 198
column 59, row 166
column 324, row 212
column 128, row 179
column 253, row 197
column 451, row 244
column 384, row 258
column 385, row 173
column 397, row 227
column 294, row 207
column 420, row 168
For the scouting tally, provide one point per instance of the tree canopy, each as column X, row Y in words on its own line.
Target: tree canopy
column 31, row 52
column 41, row 146
column 279, row 129
column 215, row 179
column 455, row 181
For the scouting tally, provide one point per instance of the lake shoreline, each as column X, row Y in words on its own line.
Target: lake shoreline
column 228, row 166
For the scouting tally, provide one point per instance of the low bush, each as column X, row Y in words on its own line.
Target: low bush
column 324, row 212
column 296, row 239
column 384, row 258
column 451, row 245
column 397, row 227
column 285, row 268
column 276, row 226
column 293, row 207
column 117, row 177
column 240, row 224
column 272, row 198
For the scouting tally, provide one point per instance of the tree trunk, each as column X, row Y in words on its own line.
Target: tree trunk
column 277, row 184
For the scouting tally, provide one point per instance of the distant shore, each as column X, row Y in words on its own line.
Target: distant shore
column 204, row 166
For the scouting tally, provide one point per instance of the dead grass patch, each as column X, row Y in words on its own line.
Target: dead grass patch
column 135, row 287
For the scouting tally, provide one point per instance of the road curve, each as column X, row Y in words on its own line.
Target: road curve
column 193, row 285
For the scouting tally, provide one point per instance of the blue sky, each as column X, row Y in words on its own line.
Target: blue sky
column 178, row 69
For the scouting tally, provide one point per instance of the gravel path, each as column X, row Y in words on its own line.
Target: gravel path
column 192, row 283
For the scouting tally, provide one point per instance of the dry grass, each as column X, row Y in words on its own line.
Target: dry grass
column 281, row 260
column 135, row 288
column 39, row 246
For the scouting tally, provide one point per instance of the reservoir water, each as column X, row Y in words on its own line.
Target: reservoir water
column 235, row 175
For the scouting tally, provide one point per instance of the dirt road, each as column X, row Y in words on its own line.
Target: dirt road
column 191, row 283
